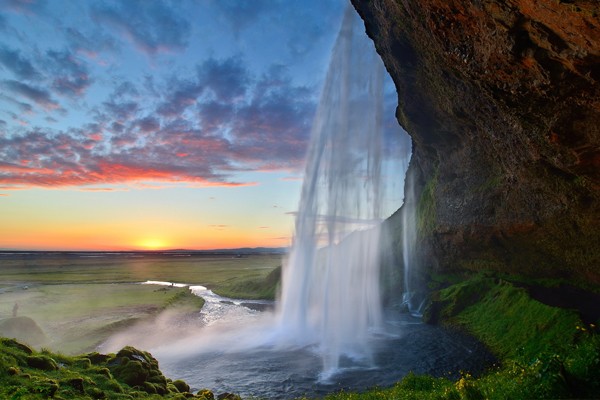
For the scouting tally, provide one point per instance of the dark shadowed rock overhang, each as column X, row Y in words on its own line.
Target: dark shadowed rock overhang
column 502, row 100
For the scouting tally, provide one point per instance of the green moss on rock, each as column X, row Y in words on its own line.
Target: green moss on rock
column 181, row 386
column 27, row 374
column 205, row 394
column 42, row 362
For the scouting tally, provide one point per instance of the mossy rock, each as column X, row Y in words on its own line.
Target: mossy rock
column 131, row 372
column 16, row 345
column 84, row 363
column 113, row 385
column 42, row 362
column 95, row 393
column 97, row 358
column 205, row 394
column 228, row 396
column 139, row 369
column 103, row 371
column 44, row 386
column 149, row 388
column 76, row 383
column 181, row 386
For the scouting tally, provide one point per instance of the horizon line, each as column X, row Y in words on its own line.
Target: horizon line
column 143, row 250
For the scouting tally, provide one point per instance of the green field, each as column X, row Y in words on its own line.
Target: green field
column 78, row 302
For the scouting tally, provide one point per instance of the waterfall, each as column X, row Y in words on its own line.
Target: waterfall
column 330, row 284
column 409, row 237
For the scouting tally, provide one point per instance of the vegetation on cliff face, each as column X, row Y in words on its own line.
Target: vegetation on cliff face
column 502, row 100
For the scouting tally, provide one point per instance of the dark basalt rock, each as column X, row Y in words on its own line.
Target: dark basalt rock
column 502, row 100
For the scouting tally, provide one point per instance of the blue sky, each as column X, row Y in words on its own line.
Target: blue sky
column 168, row 106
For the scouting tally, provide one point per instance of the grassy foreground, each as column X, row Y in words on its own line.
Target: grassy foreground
column 128, row 374
column 545, row 352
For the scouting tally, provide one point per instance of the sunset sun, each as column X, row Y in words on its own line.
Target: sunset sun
column 152, row 244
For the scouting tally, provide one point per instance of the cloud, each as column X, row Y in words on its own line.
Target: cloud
column 292, row 178
column 55, row 159
column 28, row 7
column 282, row 238
column 240, row 14
column 223, row 81
column 272, row 131
column 151, row 26
column 148, row 124
column 15, row 62
column 102, row 190
column 202, row 131
column 90, row 44
column 228, row 79
column 41, row 97
column 70, row 75
column 121, row 112
column 125, row 89
column 183, row 94
column 24, row 108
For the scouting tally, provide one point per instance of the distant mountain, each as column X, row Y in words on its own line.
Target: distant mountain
column 241, row 250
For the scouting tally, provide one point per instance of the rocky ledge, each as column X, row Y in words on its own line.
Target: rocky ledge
column 502, row 100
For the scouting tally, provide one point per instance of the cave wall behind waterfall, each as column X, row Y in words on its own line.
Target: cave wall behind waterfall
column 502, row 100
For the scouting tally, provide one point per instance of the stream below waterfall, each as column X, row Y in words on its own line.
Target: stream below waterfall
column 234, row 351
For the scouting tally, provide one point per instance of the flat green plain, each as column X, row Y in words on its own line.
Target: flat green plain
column 79, row 301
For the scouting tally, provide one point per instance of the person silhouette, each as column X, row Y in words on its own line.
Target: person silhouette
column 15, row 309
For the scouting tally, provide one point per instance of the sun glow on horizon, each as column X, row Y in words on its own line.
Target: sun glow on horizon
column 152, row 244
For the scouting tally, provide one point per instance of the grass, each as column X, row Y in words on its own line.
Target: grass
column 260, row 287
column 27, row 374
column 211, row 271
column 80, row 302
column 77, row 317
column 545, row 352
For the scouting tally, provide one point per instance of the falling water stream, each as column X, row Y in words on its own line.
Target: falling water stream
column 330, row 282
column 328, row 330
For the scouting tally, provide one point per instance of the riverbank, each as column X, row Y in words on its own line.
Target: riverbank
column 78, row 301
column 544, row 351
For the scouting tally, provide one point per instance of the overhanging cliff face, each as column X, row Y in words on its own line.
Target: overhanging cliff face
column 502, row 100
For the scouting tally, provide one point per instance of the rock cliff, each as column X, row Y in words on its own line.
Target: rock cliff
column 502, row 100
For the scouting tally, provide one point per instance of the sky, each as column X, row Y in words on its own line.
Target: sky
column 146, row 124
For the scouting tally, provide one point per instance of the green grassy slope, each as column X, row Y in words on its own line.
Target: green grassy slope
column 128, row 374
column 545, row 352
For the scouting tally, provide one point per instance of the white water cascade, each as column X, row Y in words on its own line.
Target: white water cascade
column 330, row 285
column 410, row 296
